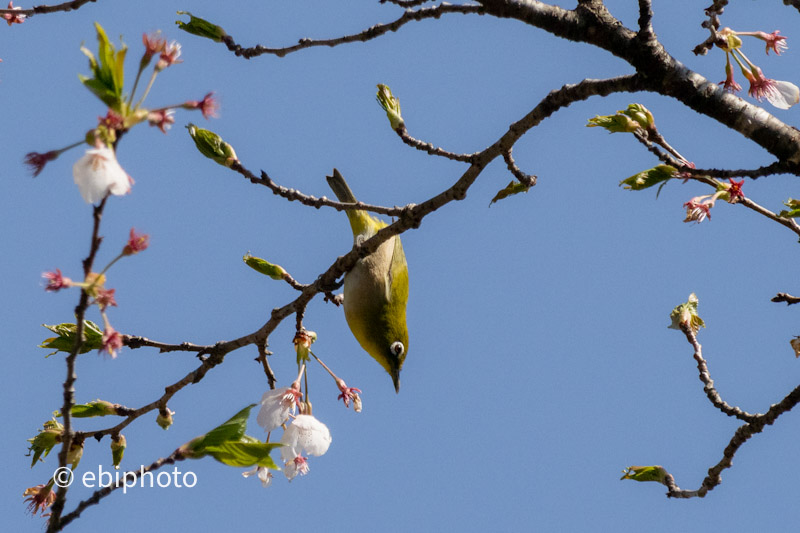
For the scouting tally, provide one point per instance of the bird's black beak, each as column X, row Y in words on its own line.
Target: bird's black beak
column 396, row 379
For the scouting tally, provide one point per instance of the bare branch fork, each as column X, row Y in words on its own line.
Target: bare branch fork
column 754, row 424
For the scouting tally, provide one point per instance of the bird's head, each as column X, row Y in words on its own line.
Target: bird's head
column 395, row 359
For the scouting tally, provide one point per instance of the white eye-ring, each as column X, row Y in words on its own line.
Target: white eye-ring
column 397, row 348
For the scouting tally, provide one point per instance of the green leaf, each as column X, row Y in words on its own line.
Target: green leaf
column 201, row 27
column 648, row 178
column 794, row 209
column 514, row 187
column 92, row 409
column 264, row 267
column 45, row 440
column 92, row 337
column 645, row 473
column 391, row 105
column 247, row 452
column 618, row 123
column 108, row 71
column 231, row 430
column 640, row 114
column 686, row 313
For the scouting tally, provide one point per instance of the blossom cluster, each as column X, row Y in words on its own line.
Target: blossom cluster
column 781, row 94
column 699, row 207
column 94, row 286
column 305, row 436
column 98, row 173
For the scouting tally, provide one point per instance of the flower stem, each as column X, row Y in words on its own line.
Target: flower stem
column 147, row 90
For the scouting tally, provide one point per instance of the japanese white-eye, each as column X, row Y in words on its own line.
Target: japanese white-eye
column 376, row 290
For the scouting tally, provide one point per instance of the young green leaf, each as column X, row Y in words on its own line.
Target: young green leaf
column 645, row 473
column 794, row 208
column 264, row 267
column 246, row 452
column 45, row 440
column 92, row 337
column 108, row 72
column 648, row 178
column 686, row 314
column 201, row 27
column 212, row 146
column 92, row 409
column 514, row 187
column 231, row 430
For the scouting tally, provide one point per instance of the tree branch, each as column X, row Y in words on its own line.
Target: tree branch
column 312, row 201
column 377, row 30
column 68, row 435
column 36, row 10
column 525, row 179
column 788, row 298
column 659, row 72
column 712, row 394
column 429, row 148
column 755, row 424
column 105, row 491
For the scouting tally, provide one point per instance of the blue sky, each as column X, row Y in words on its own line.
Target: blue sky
column 539, row 363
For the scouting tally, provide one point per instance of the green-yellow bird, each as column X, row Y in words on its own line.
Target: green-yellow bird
column 376, row 290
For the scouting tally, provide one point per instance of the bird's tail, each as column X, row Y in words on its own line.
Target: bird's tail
column 340, row 188
column 360, row 221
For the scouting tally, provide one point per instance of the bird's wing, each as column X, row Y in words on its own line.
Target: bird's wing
column 398, row 271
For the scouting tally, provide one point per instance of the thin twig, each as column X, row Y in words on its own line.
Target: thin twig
column 712, row 24
column 136, row 341
column 429, row 148
column 714, row 477
column 263, row 353
column 37, row 10
column 784, row 297
column 105, row 491
column 312, row 201
column 68, row 436
column 703, row 175
column 405, row 3
column 526, row 179
column 708, row 383
column 192, row 377
column 377, row 30
column 754, row 424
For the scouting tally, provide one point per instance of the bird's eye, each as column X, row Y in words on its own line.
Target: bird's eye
column 397, row 348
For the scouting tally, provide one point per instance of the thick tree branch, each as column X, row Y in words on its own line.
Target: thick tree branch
column 591, row 23
column 646, row 33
